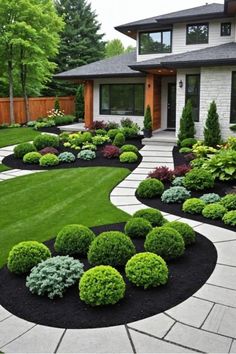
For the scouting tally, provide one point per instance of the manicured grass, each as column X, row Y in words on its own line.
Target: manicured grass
column 4, row 168
column 36, row 207
column 12, row 136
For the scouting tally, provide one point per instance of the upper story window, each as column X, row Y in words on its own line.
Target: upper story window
column 226, row 29
column 197, row 33
column 155, row 42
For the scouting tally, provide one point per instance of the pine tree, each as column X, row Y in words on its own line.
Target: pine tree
column 79, row 103
column 114, row 47
column 212, row 134
column 57, row 104
column 187, row 129
column 148, row 119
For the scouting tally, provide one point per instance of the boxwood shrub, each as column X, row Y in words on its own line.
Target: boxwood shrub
column 230, row 218
column 214, row 211
column 32, row 157
column 150, row 188
column 185, row 230
column 138, row 228
column 49, row 160
column 45, row 140
column 154, row 216
column 229, row 201
column 175, row 195
column 194, row 206
column 147, row 270
column 128, row 157
column 111, row 248
column 129, row 148
column 119, row 140
column 74, row 239
column 25, row 255
column 22, row 149
column 198, row 179
column 112, row 133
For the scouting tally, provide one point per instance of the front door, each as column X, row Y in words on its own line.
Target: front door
column 171, row 106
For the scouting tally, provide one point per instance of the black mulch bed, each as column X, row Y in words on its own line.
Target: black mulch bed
column 53, row 130
column 186, row 276
column 221, row 188
column 14, row 163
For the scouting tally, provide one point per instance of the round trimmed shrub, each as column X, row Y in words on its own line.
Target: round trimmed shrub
column 210, row 198
column 49, row 160
column 214, row 211
column 198, row 179
column 175, row 195
column 25, row 255
column 45, row 140
column 138, row 228
column 112, row 133
column 229, row 201
column 147, row 270
column 129, row 148
column 186, row 231
column 87, row 155
column 128, row 157
column 230, row 218
column 119, row 140
column 22, row 149
column 111, row 248
column 32, row 158
column 178, row 182
column 189, row 142
column 165, row 242
column 102, row 285
column 185, row 150
column 193, row 206
column 74, row 239
column 154, row 216
column 150, row 188
column 67, row 157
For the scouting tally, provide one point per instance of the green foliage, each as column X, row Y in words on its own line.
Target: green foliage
column 194, row 206
column 231, row 143
column 119, row 140
column 111, row 248
column 150, row 188
column 154, row 216
column 131, row 132
column 87, row 155
column 147, row 123
column 49, row 160
column 233, row 128
column 112, row 133
column 22, row 149
column 79, row 102
column 66, row 157
column 126, row 123
column 201, row 150
column 32, row 157
column 57, row 104
column 165, row 242
column 74, row 239
column 147, row 270
column 102, row 285
column 189, row 142
column 210, row 198
column 222, row 165
column 129, row 148
column 178, row 182
column 230, row 218
column 187, row 129
column 138, row 228
column 89, row 147
column 229, row 201
column 45, row 123
column 185, row 150
column 175, row 195
column 53, row 276
column 128, row 157
column 45, row 140
column 186, row 231
column 112, row 125
column 214, row 211
column 25, row 255
column 101, row 132
column 199, row 179
column 113, row 48
column 64, row 120
column 100, row 139
column 212, row 135
column 198, row 163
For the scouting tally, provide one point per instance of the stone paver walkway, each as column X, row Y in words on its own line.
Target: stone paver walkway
column 204, row 323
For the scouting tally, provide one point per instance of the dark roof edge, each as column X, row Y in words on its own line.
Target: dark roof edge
column 85, row 77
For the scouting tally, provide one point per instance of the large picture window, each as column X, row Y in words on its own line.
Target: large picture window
column 197, row 34
column 233, row 99
column 122, row 99
column 155, row 42
column 193, row 93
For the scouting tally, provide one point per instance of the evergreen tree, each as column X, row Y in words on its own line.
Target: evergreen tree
column 79, row 102
column 148, row 119
column 57, row 104
column 212, row 134
column 187, row 129
column 114, row 47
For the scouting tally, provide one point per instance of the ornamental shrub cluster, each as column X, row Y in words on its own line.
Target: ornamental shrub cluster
column 186, row 231
column 175, row 195
column 150, row 188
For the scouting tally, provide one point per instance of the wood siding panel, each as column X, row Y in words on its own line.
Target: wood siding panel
column 88, row 103
column 153, row 98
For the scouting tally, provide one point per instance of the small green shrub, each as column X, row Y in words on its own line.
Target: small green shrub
column 187, row 125
column 128, row 157
column 129, row 148
column 147, row 122
column 101, row 132
column 25, row 255
column 86, row 137
column 74, row 239
column 22, row 149
column 67, row 157
column 230, row 218
column 165, row 242
column 102, row 285
column 147, row 270
column 126, row 123
column 111, row 248
column 229, row 201
column 32, row 157
column 87, row 155
column 100, row 139
column 49, row 160
column 188, row 143
column 53, row 276
column 222, row 165
column 198, row 163
column 198, row 179
column 194, row 206
column 175, row 195
column 64, row 120
column 131, row 132
column 89, row 147
column 137, row 228
column 214, row 211
column 119, row 140
column 212, row 133
column 210, row 198
column 154, row 216
column 150, row 188
column 112, row 133
column 178, row 182
column 186, row 231
column 185, row 150
column 45, row 140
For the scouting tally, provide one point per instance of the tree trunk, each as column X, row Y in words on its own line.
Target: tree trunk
column 23, row 75
column 11, row 97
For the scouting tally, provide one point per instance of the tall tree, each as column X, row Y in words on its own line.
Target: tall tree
column 212, row 134
column 114, row 47
column 187, row 127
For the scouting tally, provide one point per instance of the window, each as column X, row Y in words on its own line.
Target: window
column 197, row 34
column 226, row 29
column 122, row 99
column 233, row 99
column 155, row 42
column 193, row 93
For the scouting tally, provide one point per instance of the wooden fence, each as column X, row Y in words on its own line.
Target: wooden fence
column 39, row 107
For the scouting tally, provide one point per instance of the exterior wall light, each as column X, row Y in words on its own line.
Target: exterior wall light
column 181, row 84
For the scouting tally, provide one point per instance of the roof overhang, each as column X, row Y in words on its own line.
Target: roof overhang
column 94, row 77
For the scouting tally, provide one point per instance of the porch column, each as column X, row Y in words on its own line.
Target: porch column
column 153, row 98
column 88, row 103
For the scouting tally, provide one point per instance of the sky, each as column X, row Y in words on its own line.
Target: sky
column 112, row 13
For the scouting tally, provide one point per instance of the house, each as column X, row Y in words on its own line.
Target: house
column 189, row 54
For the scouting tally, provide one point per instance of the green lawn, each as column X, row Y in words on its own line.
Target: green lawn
column 36, row 207
column 4, row 168
column 12, row 136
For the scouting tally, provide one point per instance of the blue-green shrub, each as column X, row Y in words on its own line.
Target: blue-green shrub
column 178, row 182
column 175, row 195
column 87, row 155
column 210, row 198
column 67, row 157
